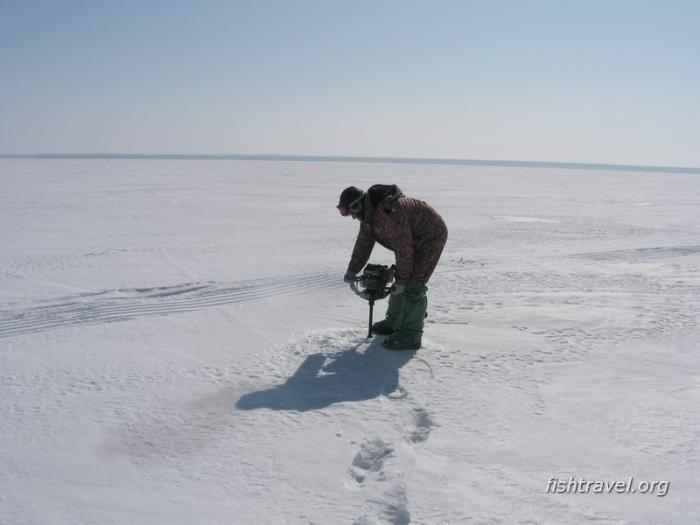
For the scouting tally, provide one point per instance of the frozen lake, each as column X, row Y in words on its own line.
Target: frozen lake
column 177, row 346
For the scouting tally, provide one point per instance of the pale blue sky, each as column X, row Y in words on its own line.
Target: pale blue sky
column 579, row 81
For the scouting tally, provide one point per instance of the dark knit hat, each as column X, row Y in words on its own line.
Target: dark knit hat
column 350, row 200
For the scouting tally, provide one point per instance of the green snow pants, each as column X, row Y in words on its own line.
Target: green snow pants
column 406, row 311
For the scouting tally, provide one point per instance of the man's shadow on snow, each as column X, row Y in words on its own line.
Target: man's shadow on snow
column 324, row 379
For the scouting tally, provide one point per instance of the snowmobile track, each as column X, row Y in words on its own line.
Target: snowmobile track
column 125, row 304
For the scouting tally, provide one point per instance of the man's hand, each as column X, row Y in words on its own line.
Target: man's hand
column 349, row 278
column 398, row 288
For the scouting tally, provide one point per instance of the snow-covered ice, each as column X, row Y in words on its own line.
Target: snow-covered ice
column 177, row 346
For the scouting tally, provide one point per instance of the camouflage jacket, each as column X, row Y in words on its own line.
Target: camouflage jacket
column 398, row 223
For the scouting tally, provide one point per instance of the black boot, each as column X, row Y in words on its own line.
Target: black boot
column 382, row 328
column 396, row 342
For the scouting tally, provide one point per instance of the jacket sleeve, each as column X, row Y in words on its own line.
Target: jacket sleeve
column 362, row 250
column 401, row 239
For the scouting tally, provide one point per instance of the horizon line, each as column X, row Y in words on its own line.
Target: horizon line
column 362, row 159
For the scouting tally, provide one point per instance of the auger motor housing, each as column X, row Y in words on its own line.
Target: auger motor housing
column 375, row 282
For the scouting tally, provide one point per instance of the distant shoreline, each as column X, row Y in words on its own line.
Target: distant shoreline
column 379, row 160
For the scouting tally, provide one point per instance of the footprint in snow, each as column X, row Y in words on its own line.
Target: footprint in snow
column 423, row 425
column 370, row 460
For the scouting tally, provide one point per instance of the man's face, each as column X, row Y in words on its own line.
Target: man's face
column 354, row 210
column 345, row 212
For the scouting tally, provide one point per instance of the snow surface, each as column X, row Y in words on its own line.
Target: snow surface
column 176, row 346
